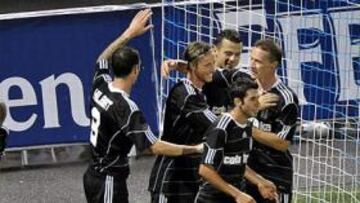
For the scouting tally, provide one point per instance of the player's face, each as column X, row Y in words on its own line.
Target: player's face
column 205, row 67
column 261, row 66
column 250, row 105
column 228, row 54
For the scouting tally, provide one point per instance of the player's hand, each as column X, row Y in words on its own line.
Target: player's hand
column 268, row 100
column 267, row 190
column 167, row 66
column 242, row 197
column 173, row 64
column 139, row 24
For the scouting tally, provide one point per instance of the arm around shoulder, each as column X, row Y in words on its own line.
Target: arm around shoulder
column 270, row 139
column 161, row 147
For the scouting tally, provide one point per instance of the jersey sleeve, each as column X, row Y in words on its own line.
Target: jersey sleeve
column 139, row 131
column 102, row 72
column 198, row 112
column 214, row 148
column 287, row 120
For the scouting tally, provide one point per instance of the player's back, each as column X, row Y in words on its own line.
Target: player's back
column 110, row 111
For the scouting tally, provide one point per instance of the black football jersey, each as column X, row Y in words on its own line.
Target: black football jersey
column 116, row 125
column 281, row 120
column 218, row 90
column 187, row 116
column 227, row 148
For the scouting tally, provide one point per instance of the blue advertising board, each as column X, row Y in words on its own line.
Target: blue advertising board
column 47, row 64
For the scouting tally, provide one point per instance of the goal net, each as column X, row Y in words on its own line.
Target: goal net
column 321, row 45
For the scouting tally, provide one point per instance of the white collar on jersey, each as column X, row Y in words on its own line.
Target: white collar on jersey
column 276, row 83
column 118, row 90
column 191, row 83
column 237, row 123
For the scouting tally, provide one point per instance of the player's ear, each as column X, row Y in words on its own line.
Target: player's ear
column 135, row 69
column 274, row 64
column 237, row 101
column 214, row 50
column 192, row 65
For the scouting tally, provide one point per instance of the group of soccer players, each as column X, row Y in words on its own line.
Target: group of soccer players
column 226, row 130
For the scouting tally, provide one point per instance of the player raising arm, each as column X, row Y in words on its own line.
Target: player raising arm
column 117, row 123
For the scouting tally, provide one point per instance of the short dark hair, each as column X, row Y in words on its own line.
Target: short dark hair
column 195, row 50
column 241, row 86
column 123, row 61
column 271, row 47
column 229, row 34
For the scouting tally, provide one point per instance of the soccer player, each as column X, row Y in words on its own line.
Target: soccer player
column 227, row 49
column 4, row 132
column 227, row 146
column 269, row 161
column 187, row 116
column 117, row 123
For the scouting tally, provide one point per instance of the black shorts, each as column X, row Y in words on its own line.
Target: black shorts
column 203, row 197
column 253, row 191
column 101, row 188
column 161, row 198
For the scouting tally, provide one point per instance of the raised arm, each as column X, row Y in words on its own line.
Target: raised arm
column 138, row 26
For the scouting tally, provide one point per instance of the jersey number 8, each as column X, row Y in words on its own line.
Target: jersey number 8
column 95, row 123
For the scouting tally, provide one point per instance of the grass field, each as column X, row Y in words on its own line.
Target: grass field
column 328, row 196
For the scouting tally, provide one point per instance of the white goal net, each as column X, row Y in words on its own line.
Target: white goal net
column 321, row 44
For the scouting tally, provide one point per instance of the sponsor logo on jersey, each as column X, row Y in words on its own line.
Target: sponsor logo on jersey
column 235, row 160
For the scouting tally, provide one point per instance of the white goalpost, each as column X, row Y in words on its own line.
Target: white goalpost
column 321, row 45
